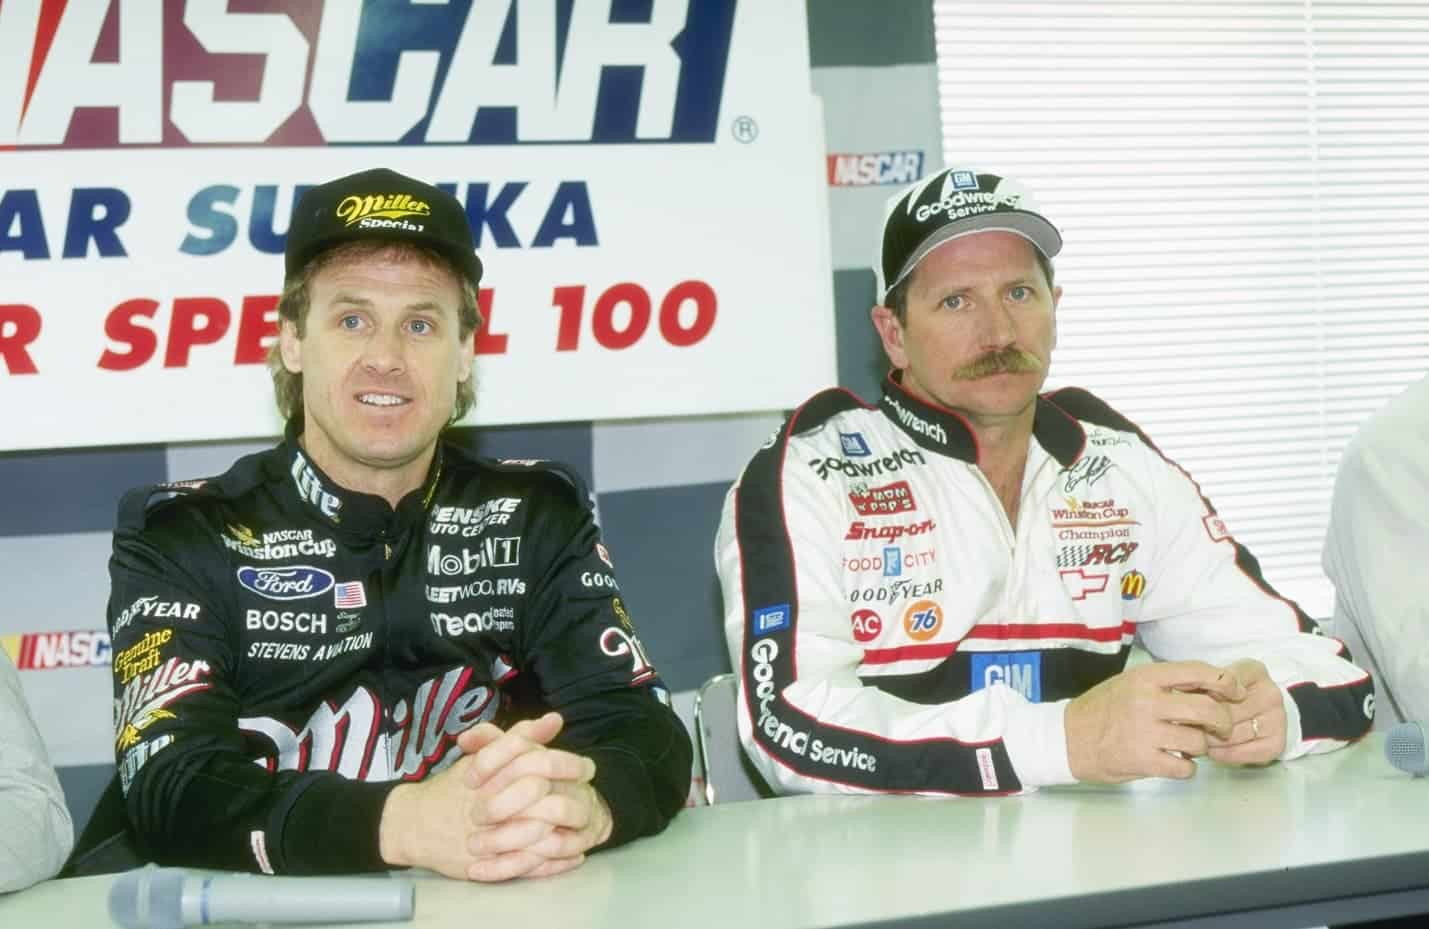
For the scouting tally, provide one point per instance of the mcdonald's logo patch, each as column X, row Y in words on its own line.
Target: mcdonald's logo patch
column 1133, row 585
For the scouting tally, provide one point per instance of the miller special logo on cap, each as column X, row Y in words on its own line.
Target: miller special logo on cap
column 381, row 204
column 383, row 211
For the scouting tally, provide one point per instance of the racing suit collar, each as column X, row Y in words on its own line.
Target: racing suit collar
column 946, row 432
column 936, row 428
column 355, row 513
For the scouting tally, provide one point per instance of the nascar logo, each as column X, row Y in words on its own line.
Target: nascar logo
column 420, row 73
column 46, row 651
column 875, row 169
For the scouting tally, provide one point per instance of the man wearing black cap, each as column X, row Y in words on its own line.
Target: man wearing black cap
column 366, row 648
column 939, row 594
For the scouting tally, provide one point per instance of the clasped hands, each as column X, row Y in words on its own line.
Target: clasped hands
column 1151, row 720
column 510, row 807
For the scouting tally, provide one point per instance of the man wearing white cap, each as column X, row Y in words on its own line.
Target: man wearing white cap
column 938, row 594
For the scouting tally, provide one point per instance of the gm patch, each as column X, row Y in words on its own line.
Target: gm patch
column 1022, row 671
column 854, row 445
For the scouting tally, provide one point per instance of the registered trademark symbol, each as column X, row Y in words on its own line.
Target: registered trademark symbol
column 745, row 129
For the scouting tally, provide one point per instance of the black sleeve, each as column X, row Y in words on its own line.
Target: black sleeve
column 642, row 756
column 587, row 662
column 192, row 792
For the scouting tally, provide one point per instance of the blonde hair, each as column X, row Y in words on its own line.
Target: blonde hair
column 293, row 307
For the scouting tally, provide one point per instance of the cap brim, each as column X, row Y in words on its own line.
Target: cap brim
column 1042, row 234
column 467, row 263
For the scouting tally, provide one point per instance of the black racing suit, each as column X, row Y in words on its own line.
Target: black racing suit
column 286, row 652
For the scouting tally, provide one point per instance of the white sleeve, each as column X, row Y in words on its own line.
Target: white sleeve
column 1206, row 600
column 806, row 720
column 35, row 829
column 1374, row 555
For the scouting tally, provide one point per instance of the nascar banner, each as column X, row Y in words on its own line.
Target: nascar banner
column 645, row 180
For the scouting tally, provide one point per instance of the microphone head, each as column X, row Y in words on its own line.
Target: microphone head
column 1404, row 747
column 148, row 898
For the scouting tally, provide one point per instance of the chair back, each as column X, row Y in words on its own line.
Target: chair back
column 728, row 774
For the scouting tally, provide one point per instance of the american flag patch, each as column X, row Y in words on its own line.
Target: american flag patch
column 349, row 595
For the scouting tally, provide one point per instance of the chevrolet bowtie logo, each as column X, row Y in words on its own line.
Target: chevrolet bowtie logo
column 1080, row 584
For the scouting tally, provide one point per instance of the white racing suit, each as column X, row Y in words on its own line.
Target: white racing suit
column 893, row 632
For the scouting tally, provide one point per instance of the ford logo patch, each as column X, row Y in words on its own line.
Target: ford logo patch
column 296, row 583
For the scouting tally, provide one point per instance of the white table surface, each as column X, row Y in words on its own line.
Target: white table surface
column 1312, row 832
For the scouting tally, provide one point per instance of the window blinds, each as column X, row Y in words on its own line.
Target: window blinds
column 1243, row 188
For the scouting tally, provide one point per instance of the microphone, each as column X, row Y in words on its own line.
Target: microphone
column 171, row 898
column 1404, row 747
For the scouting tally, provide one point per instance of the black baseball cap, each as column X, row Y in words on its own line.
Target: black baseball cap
column 949, row 204
column 380, row 204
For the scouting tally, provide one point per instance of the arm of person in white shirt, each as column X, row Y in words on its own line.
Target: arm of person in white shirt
column 1207, row 600
column 1374, row 555
column 35, row 828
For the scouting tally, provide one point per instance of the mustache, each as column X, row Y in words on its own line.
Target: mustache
column 1010, row 360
